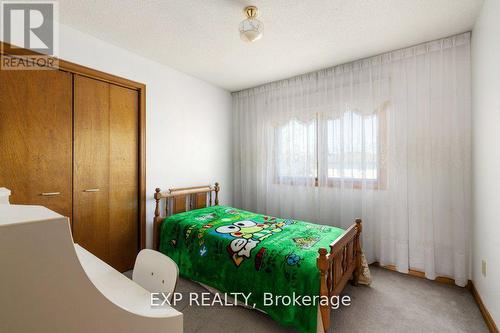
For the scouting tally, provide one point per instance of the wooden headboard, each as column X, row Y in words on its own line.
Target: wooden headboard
column 178, row 200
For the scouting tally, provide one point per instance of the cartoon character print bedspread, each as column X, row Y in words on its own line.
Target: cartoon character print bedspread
column 238, row 251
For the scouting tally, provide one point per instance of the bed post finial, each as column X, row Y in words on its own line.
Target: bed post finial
column 359, row 252
column 156, row 220
column 323, row 266
column 322, row 260
column 217, row 189
column 157, row 199
column 359, row 225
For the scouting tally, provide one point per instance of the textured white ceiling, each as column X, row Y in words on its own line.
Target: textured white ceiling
column 200, row 37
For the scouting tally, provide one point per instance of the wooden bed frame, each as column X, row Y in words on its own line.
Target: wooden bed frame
column 338, row 265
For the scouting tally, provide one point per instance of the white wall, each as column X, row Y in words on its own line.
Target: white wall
column 188, row 125
column 486, row 154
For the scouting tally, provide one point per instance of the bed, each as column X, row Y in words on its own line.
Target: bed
column 232, row 250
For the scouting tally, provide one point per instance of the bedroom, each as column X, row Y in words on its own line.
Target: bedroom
column 317, row 146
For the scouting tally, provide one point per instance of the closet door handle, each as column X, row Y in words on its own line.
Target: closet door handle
column 49, row 194
column 91, row 190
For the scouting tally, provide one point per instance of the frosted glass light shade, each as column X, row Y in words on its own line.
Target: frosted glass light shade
column 251, row 29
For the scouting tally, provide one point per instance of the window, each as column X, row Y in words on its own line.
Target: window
column 296, row 156
column 344, row 151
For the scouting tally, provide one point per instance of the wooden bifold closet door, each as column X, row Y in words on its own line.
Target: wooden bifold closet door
column 106, row 174
column 36, row 138
column 75, row 144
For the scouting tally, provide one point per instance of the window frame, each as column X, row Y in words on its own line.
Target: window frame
column 321, row 180
column 380, row 183
column 294, row 180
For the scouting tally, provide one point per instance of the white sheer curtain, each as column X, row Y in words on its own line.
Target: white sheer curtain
column 387, row 139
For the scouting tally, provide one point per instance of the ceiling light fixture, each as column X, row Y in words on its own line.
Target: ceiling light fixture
column 251, row 28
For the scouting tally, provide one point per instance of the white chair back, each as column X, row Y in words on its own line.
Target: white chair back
column 155, row 272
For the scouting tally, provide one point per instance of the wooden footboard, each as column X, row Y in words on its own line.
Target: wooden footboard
column 340, row 265
column 337, row 266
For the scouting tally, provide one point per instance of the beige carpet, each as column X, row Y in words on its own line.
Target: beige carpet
column 394, row 303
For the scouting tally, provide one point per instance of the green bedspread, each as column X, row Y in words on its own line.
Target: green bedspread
column 237, row 251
